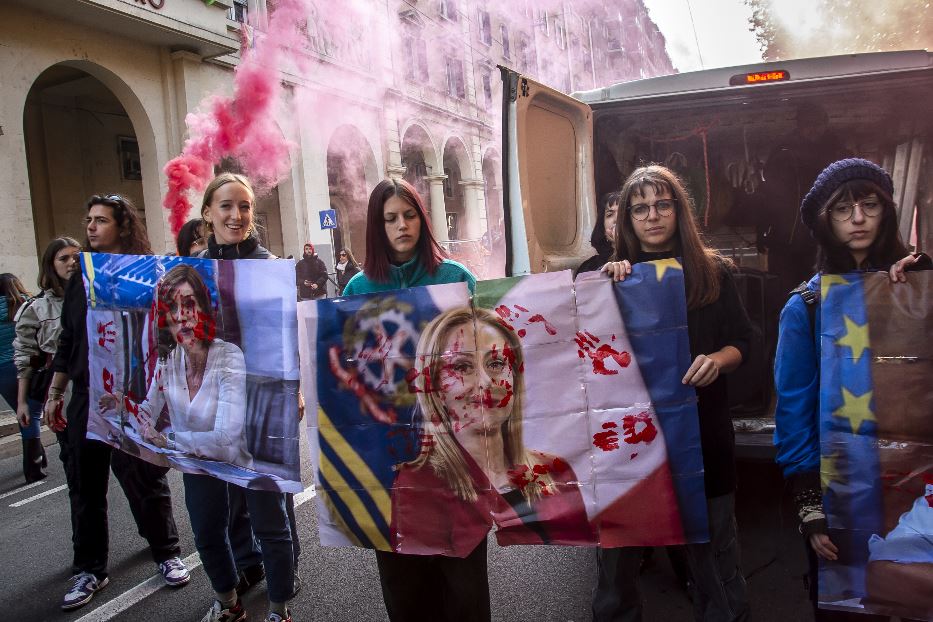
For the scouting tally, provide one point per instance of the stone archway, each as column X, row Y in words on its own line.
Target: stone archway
column 351, row 175
column 462, row 221
column 419, row 157
column 86, row 132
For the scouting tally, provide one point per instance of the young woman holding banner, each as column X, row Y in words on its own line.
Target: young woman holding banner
column 851, row 214
column 658, row 223
column 227, row 210
column 401, row 252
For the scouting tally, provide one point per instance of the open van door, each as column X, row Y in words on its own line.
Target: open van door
column 549, row 197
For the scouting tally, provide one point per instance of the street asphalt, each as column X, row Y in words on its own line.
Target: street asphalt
column 526, row 583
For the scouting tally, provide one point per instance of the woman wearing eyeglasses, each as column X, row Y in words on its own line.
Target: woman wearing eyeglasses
column 659, row 223
column 346, row 268
column 851, row 213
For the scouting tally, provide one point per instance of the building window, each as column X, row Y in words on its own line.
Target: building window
column 614, row 36
column 456, row 86
column 506, row 46
column 543, row 20
column 448, row 10
column 560, row 33
column 524, row 53
column 238, row 12
column 485, row 28
column 487, row 88
column 416, row 58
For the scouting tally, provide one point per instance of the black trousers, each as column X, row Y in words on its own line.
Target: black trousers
column 435, row 588
column 87, row 470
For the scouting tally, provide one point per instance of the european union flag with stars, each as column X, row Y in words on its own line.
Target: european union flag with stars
column 876, row 433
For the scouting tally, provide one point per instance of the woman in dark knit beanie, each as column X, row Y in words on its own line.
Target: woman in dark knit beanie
column 851, row 214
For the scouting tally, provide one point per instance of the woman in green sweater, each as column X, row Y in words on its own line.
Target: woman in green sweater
column 401, row 252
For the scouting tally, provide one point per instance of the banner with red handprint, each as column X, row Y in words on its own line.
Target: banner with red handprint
column 193, row 364
column 547, row 409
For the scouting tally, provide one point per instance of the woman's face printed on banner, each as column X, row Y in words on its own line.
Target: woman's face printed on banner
column 186, row 319
column 477, row 384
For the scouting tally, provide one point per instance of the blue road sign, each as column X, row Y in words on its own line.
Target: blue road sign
column 328, row 218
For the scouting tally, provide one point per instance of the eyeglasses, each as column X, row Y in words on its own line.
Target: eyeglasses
column 640, row 211
column 843, row 211
column 115, row 197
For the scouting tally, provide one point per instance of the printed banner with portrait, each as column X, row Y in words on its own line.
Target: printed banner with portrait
column 194, row 365
column 547, row 409
column 876, row 418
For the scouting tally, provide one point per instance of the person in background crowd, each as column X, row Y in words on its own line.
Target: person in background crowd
column 113, row 225
column 851, row 213
column 38, row 324
column 191, row 238
column 346, row 269
column 14, row 299
column 607, row 211
column 227, row 210
column 192, row 241
column 659, row 223
column 401, row 252
column 311, row 275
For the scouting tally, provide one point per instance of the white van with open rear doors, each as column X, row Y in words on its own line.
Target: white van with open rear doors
column 749, row 142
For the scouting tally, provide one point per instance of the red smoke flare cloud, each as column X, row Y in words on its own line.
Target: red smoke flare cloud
column 240, row 125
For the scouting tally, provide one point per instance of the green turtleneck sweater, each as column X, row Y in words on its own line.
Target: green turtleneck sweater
column 412, row 274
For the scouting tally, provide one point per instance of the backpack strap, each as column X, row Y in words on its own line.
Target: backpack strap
column 810, row 298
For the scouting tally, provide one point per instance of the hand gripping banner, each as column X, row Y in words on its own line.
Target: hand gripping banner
column 550, row 410
column 876, row 436
column 194, row 364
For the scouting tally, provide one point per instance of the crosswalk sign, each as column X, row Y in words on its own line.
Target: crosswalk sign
column 328, row 218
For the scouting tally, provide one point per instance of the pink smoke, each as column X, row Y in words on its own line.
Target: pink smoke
column 241, row 125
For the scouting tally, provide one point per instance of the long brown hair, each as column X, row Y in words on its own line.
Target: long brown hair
column 48, row 277
column 133, row 238
column 15, row 293
column 378, row 256
column 833, row 256
column 702, row 265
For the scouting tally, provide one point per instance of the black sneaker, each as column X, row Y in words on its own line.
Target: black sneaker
column 249, row 577
column 83, row 587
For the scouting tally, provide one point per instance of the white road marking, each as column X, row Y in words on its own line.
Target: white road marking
column 16, row 491
column 127, row 599
column 150, row 586
column 305, row 495
column 39, row 496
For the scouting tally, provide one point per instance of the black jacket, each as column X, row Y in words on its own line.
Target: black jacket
column 311, row 269
column 72, row 355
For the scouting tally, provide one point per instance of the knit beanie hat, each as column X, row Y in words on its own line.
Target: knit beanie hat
column 834, row 176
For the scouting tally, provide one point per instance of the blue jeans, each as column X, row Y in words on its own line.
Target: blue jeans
column 9, row 388
column 209, row 509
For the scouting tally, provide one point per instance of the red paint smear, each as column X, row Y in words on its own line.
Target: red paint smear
column 522, row 332
column 504, row 315
column 547, row 325
column 646, row 435
column 609, row 440
column 520, row 308
column 108, row 381
column 632, row 457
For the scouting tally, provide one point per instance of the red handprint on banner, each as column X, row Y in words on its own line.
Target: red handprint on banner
column 107, row 335
column 588, row 347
